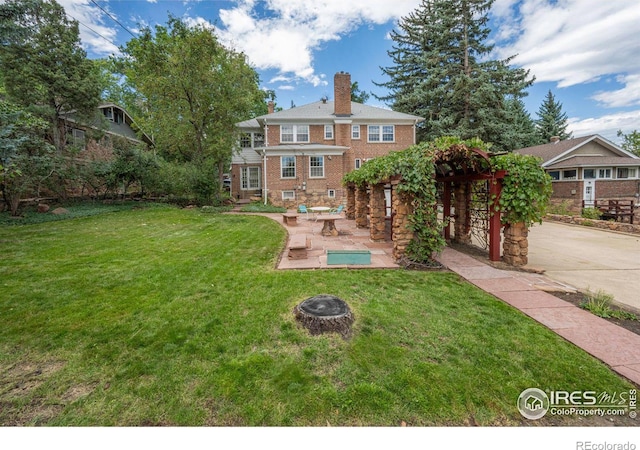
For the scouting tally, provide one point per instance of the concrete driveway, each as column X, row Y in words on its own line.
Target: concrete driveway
column 588, row 258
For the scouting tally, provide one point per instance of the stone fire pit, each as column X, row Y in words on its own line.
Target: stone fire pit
column 325, row 313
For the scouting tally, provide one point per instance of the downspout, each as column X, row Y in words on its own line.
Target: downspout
column 264, row 161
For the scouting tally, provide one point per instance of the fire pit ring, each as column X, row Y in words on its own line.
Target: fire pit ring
column 325, row 313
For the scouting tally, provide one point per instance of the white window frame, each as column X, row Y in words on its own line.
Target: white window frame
column 604, row 176
column 328, row 132
column 358, row 163
column 245, row 178
column 631, row 173
column 331, row 193
column 288, row 196
column 298, row 132
column 554, row 171
column 79, row 137
column 595, row 174
column 283, row 167
column 355, row 131
column 570, row 170
column 316, row 167
column 245, row 140
column 377, row 133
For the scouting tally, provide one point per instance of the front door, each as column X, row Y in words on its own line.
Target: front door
column 589, row 194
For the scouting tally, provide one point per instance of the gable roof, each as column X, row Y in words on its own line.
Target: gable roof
column 324, row 112
column 555, row 152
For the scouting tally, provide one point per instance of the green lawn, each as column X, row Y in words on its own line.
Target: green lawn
column 162, row 316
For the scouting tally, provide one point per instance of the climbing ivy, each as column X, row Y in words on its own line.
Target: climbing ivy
column 525, row 193
column 526, row 189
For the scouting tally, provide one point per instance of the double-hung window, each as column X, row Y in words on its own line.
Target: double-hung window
column 316, row 166
column 355, row 131
column 294, row 133
column 328, row 131
column 381, row 133
column 625, row 172
column 287, row 167
column 250, row 178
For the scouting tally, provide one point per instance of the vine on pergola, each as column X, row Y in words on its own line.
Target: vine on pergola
column 526, row 191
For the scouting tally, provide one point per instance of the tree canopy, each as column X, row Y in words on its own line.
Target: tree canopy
column 552, row 121
column 630, row 141
column 193, row 91
column 44, row 67
column 441, row 71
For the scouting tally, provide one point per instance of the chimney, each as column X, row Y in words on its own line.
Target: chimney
column 270, row 107
column 555, row 139
column 342, row 94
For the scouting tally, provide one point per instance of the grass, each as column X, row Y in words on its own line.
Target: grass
column 258, row 207
column 599, row 303
column 163, row 316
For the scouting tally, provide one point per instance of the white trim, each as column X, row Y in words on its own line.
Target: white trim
column 331, row 193
column 282, row 167
column 381, row 134
column 295, row 133
column 328, row 132
column 359, row 132
column 316, row 167
column 248, row 178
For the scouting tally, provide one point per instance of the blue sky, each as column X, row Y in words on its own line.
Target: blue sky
column 584, row 51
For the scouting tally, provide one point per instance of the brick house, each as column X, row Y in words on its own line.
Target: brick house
column 588, row 168
column 300, row 155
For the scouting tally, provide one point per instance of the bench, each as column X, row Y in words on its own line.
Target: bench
column 349, row 257
column 290, row 219
column 298, row 245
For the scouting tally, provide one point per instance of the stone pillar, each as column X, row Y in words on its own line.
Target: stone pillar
column 515, row 246
column 402, row 233
column 350, row 209
column 377, row 214
column 462, row 200
column 362, row 207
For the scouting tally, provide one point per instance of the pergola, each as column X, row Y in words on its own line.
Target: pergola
column 456, row 168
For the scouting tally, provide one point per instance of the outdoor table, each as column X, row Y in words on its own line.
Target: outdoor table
column 319, row 209
column 329, row 224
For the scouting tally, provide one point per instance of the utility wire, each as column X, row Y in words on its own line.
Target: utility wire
column 113, row 18
column 91, row 29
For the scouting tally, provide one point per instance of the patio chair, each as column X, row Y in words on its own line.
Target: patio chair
column 337, row 210
column 303, row 210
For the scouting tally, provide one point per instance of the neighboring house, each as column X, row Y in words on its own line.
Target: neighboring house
column 588, row 168
column 300, row 155
column 118, row 123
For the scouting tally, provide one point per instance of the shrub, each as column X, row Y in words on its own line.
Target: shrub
column 599, row 303
column 591, row 213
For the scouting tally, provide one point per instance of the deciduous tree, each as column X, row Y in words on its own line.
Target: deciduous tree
column 193, row 90
column 45, row 69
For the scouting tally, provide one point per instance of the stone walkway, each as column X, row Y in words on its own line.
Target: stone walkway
column 613, row 345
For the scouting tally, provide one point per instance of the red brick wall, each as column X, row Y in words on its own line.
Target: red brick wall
column 342, row 93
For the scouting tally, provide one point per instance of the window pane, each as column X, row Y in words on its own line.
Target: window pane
column 316, row 166
column 555, row 175
column 254, row 178
column 328, row 131
column 623, row 172
column 589, row 173
column 355, row 131
column 286, row 133
column 569, row 174
column 245, row 140
column 258, row 140
column 288, row 166
column 302, row 133
column 604, row 173
column 374, row 133
column 387, row 133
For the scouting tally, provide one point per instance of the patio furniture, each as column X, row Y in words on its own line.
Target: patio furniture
column 319, row 209
column 303, row 209
column 329, row 224
column 298, row 245
column 290, row 219
column 337, row 210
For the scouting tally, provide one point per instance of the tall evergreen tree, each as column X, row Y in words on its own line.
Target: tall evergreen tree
column 551, row 122
column 441, row 71
column 521, row 131
column 44, row 66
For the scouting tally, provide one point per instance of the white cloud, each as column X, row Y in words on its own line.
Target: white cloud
column 629, row 95
column 286, row 38
column 96, row 37
column 573, row 42
column 606, row 126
